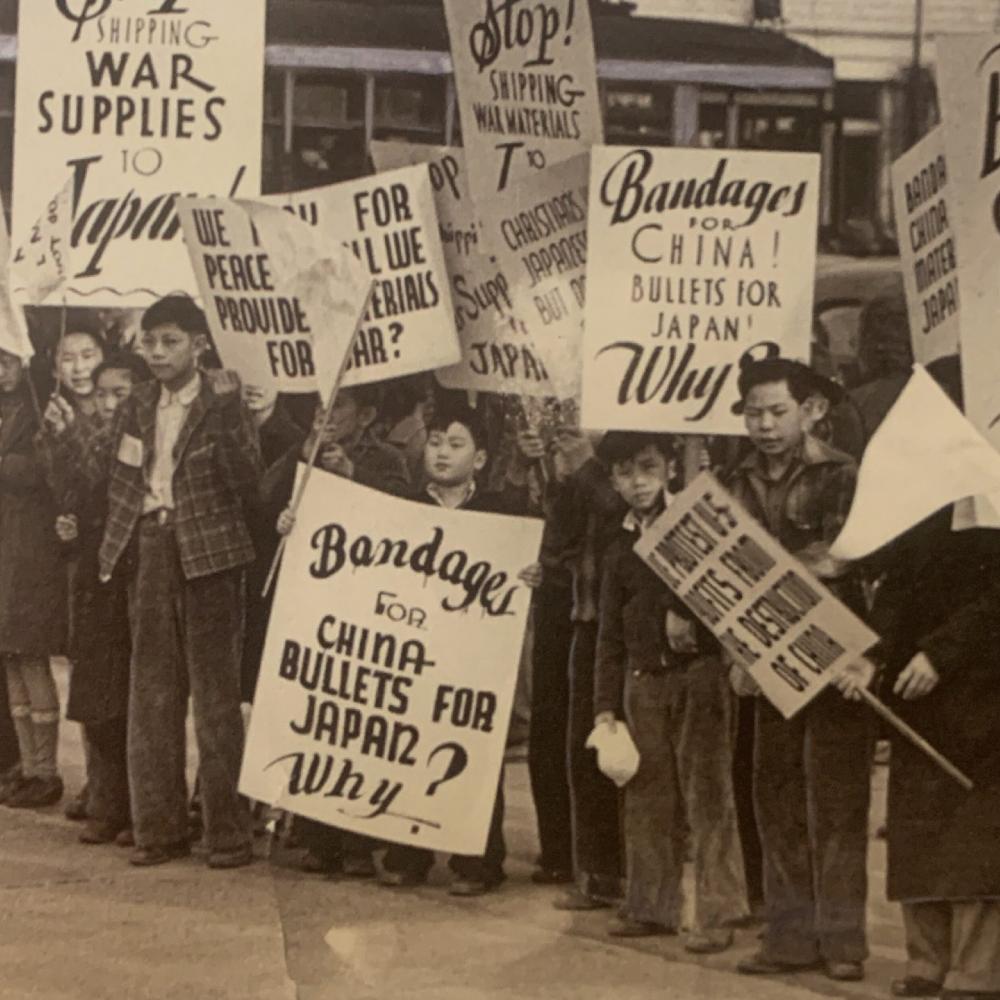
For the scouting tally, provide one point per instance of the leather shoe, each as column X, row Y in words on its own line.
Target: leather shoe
column 761, row 965
column 845, row 972
column 237, row 857
column 401, row 880
column 578, row 902
column 99, row 833
column 551, row 876
column 708, row 942
column 468, row 888
column 624, row 927
column 914, row 986
column 147, row 857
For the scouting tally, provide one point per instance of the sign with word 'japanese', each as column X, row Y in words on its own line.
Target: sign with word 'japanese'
column 769, row 612
column 390, row 664
column 136, row 103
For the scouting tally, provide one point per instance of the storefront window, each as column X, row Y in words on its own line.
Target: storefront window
column 410, row 107
column 637, row 114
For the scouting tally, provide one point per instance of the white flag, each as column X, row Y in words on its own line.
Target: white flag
column 924, row 456
column 41, row 264
column 13, row 329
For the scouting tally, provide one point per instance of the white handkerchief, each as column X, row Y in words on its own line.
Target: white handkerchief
column 617, row 756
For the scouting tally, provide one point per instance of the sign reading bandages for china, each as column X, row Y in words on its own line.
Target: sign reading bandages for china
column 497, row 354
column 770, row 614
column 137, row 102
column 282, row 298
column 390, row 665
column 699, row 260
column 390, row 222
column 537, row 230
column 526, row 75
column 924, row 206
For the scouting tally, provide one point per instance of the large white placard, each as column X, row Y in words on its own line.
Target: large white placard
column 138, row 102
column 497, row 353
column 698, row 259
column 390, row 221
column 526, row 75
column 390, row 664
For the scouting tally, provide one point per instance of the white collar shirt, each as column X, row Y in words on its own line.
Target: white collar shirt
column 171, row 412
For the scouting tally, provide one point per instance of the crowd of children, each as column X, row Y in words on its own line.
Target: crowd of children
column 142, row 501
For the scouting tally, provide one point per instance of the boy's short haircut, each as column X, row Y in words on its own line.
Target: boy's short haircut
column 801, row 380
column 623, row 446
column 179, row 310
column 126, row 361
column 84, row 321
column 455, row 411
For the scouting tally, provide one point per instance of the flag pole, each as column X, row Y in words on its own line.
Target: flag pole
column 317, row 443
column 915, row 738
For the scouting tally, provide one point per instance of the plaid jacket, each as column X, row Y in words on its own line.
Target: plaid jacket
column 216, row 478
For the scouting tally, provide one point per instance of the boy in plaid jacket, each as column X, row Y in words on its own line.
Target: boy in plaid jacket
column 182, row 463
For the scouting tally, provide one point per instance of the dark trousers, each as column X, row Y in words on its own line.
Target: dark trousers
column 329, row 844
column 185, row 641
column 107, row 773
column 596, row 820
column 553, row 636
column 753, row 855
column 10, row 753
column 486, row 867
column 812, row 788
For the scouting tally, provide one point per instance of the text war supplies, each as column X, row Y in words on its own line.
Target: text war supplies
column 771, row 615
column 390, row 664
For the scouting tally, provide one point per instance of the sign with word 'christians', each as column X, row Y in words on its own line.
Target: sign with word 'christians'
column 137, row 102
column 924, row 205
column 700, row 260
column 770, row 614
column 390, row 222
column 526, row 75
column 497, row 354
column 390, row 665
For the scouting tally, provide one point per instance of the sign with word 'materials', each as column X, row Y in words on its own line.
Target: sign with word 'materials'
column 923, row 198
column 699, row 260
column 282, row 299
column 137, row 102
column 497, row 353
column 968, row 77
column 390, row 665
column 526, row 76
column 770, row 614
column 390, row 222
column 537, row 230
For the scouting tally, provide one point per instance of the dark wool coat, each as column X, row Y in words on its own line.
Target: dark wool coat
column 33, row 580
column 941, row 596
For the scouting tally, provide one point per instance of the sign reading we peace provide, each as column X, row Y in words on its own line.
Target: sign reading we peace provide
column 699, row 259
column 390, row 222
column 766, row 609
column 390, row 664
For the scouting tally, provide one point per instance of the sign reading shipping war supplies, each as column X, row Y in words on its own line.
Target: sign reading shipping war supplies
column 497, row 353
column 390, row 664
column 699, row 260
column 135, row 103
column 282, row 298
column 526, row 76
column 924, row 204
column 390, row 222
column 770, row 614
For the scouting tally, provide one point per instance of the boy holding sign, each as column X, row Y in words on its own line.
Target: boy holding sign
column 811, row 773
column 660, row 672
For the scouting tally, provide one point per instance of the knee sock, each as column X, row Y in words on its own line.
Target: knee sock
column 25, row 730
column 46, row 735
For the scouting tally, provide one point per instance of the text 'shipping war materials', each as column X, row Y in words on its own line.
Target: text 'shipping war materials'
column 771, row 615
column 526, row 76
column 136, row 106
column 283, row 299
column 497, row 353
column 390, row 222
column 925, row 210
column 699, row 261
column 389, row 670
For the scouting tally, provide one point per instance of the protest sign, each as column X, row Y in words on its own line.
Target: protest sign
column 700, row 260
column 135, row 103
column 13, row 328
column 390, row 665
column 40, row 267
column 770, row 613
column 390, row 222
column 497, row 354
column 282, row 298
column 968, row 75
column 537, row 230
column 526, row 77
column 923, row 204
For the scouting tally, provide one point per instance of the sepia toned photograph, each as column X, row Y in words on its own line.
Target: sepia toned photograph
column 499, row 499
